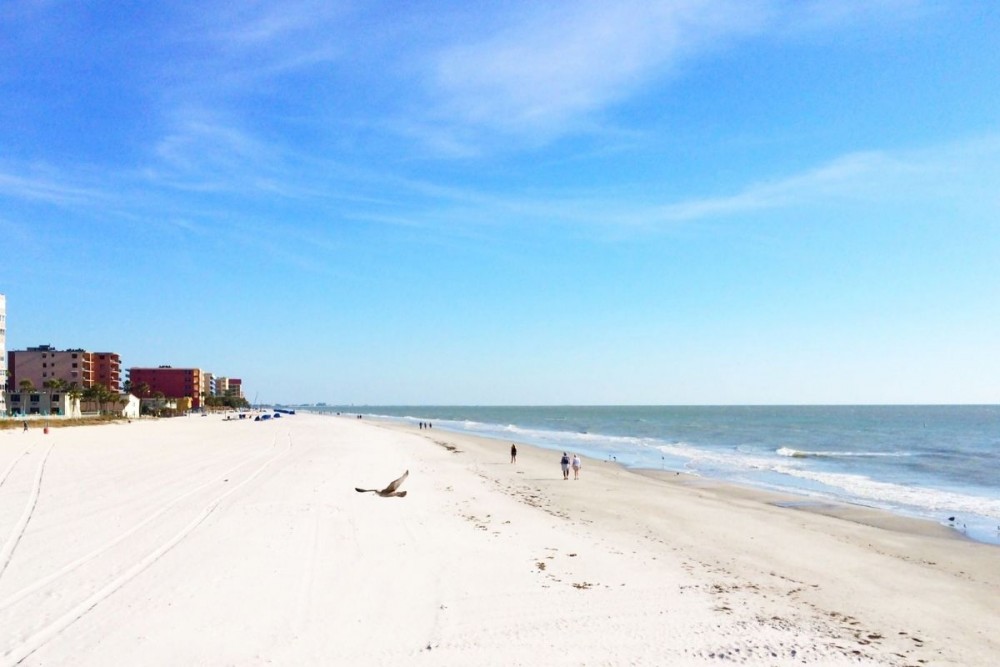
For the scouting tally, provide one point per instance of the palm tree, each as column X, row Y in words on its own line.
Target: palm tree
column 111, row 396
column 52, row 386
column 160, row 397
column 27, row 386
column 55, row 384
column 99, row 394
column 74, row 394
column 90, row 395
column 103, row 395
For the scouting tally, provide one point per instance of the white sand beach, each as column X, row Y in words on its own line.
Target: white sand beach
column 199, row 541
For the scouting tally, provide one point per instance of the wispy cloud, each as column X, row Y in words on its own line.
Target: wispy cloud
column 203, row 151
column 803, row 17
column 956, row 174
column 525, row 76
column 944, row 173
column 479, row 82
column 552, row 70
column 44, row 186
column 547, row 71
column 844, row 177
column 238, row 45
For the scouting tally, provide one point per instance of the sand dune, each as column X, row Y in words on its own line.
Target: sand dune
column 197, row 541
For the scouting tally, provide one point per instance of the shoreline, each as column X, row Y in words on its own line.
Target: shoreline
column 787, row 499
column 874, row 517
column 724, row 490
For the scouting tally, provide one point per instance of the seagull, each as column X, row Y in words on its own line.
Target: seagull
column 390, row 490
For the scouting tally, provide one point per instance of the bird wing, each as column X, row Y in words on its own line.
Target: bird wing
column 395, row 484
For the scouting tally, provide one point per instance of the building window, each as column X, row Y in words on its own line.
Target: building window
column 34, row 398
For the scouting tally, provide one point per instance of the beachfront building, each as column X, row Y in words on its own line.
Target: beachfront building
column 107, row 368
column 120, row 405
column 3, row 352
column 227, row 386
column 131, row 408
column 171, row 382
column 43, row 404
column 207, row 384
column 42, row 365
column 158, row 406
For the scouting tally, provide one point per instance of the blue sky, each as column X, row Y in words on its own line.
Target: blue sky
column 690, row 202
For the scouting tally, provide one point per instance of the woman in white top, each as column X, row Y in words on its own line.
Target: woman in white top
column 577, row 464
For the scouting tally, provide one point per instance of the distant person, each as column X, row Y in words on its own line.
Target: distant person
column 25, row 424
column 513, row 453
column 564, row 462
column 576, row 463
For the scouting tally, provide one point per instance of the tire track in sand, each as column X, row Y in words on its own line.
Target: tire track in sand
column 20, row 652
column 6, row 473
column 82, row 560
column 29, row 508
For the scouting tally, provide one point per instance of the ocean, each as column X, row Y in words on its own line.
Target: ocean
column 935, row 462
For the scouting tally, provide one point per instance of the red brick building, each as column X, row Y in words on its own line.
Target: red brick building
column 171, row 382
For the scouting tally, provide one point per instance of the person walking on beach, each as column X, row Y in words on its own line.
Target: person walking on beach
column 513, row 453
column 25, row 425
column 564, row 462
column 577, row 464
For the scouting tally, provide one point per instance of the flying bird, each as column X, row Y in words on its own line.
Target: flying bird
column 390, row 490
